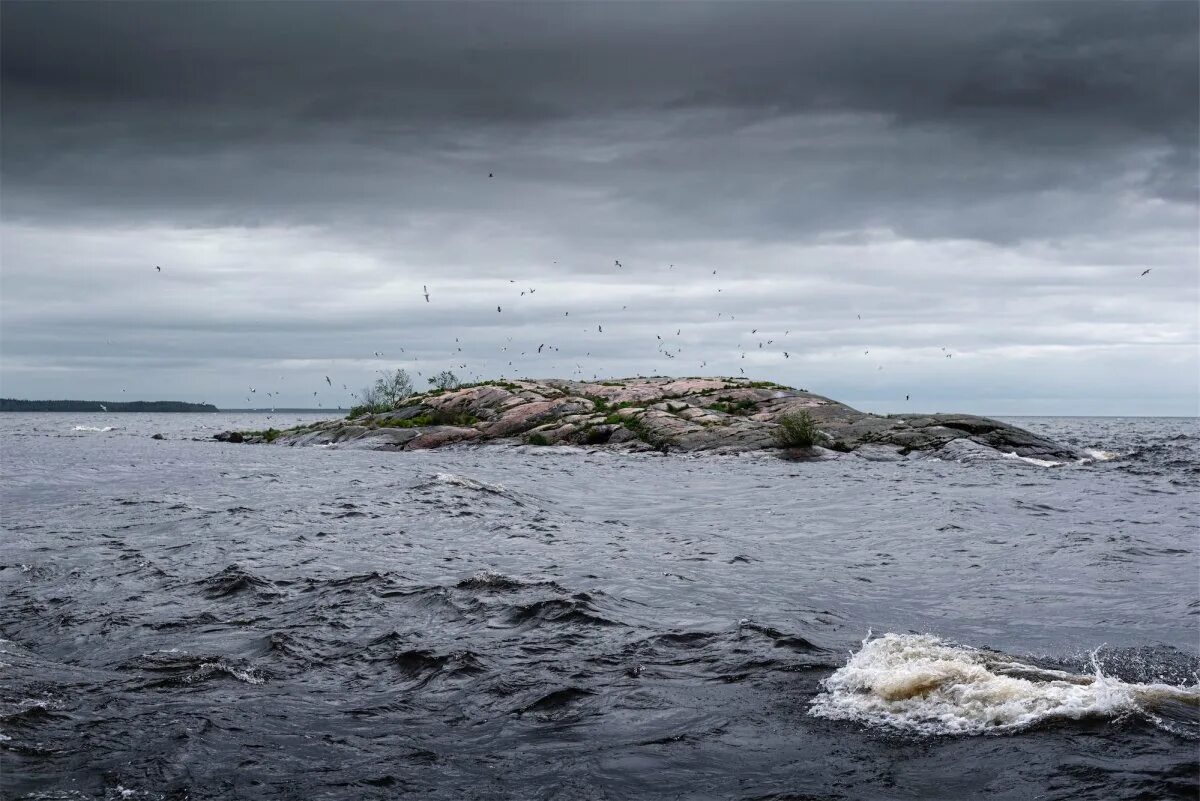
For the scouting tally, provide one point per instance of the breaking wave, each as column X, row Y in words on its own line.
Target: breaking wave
column 923, row 684
column 98, row 429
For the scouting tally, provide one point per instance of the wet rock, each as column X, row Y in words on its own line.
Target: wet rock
column 158, row 436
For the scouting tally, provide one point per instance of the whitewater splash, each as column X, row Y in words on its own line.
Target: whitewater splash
column 468, row 483
column 94, row 428
column 923, row 684
column 1033, row 461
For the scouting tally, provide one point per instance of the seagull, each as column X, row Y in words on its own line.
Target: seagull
column 617, row 262
column 497, row 310
column 160, row 269
column 785, row 355
column 426, row 292
column 540, row 348
column 327, row 381
column 1146, row 272
column 491, row 175
column 906, row 397
column 600, row 329
column 103, row 408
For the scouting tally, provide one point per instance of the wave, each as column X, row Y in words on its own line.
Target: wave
column 467, row 483
column 1033, row 461
column 923, row 684
column 94, row 428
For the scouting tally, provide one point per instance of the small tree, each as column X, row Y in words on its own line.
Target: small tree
column 444, row 380
column 797, row 430
column 385, row 394
column 393, row 388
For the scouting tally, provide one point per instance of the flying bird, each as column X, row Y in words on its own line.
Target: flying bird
column 103, row 408
column 1146, row 272
column 160, row 269
column 327, row 381
column 491, row 175
column 426, row 289
column 497, row 310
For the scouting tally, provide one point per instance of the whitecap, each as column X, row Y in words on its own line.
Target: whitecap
column 93, row 428
column 923, row 684
column 467, row 483
column 1032, row 460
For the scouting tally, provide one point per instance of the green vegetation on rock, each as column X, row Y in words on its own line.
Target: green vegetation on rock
column 797, row 430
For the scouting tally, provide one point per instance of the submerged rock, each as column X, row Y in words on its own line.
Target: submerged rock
column 692, row 415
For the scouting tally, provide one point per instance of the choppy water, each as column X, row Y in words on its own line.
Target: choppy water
column 195, row 620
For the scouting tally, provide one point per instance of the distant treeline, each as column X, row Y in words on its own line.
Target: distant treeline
column 14, row 405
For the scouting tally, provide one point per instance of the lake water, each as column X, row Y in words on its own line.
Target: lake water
column 185, row 619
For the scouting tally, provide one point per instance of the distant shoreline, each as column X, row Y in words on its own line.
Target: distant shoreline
column 15, row 405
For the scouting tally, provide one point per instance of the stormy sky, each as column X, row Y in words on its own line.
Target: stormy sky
column 951, row 201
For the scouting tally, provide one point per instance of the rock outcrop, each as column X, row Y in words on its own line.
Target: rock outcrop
column 680, row 415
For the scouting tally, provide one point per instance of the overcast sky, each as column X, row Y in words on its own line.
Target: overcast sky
column 952, row 201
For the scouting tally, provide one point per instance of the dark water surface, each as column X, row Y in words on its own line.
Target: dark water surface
column 194, row 620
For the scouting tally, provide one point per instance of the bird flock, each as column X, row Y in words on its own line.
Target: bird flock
column 670, row 348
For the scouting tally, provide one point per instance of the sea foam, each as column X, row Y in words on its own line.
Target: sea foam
column 925, row 685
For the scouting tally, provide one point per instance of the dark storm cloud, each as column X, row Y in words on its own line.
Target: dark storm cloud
column 207, row 77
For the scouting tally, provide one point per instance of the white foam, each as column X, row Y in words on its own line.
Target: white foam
column 921, row 683
column 93, row 428
column 1031, row 460
column 1095, row 455
column 468, row 483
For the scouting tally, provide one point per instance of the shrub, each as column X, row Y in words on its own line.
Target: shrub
column 445, row 380
column 797, row 430
column 537, row 439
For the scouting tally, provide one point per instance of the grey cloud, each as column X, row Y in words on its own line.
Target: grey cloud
column 991, row 175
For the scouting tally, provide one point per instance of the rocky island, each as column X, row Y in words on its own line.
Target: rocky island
column 671, row 415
